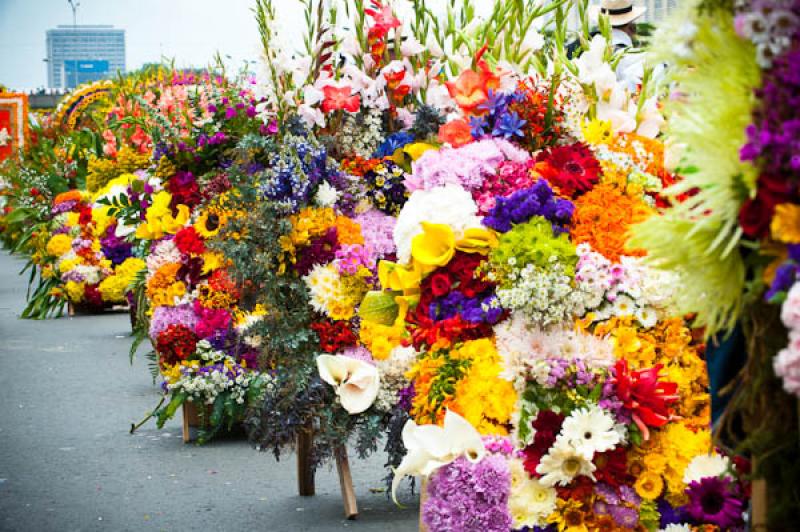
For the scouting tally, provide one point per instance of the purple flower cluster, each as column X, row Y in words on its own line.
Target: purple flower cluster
column 774, row 137
column 499, row 121
column 785, row 275
column 716, row 501
column 522, row 205
column 164, row 316
column 622, row 504
column 64, row 206
column 478, row 309
column 377, row 229
column 114, row 248
column 465, row 496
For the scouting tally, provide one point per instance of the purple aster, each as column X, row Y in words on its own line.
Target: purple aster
column 713, row 500
column 624, row 516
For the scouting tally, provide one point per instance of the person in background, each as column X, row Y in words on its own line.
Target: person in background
column 622, row 15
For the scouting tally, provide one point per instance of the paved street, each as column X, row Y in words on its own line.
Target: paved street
column 67, row 463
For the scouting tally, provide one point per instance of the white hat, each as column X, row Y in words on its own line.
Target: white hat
column 619, row 12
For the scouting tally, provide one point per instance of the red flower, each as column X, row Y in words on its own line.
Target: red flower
column 85, row 217
column 340, row 98
column 547, row 426
column 573, row 169
column 175, row 343
column 578, row 490
column 93, row 296
column 189, row 242
column 612, row 466
column 456, row 133
column 440, row 284
column 647, row 398
column 472, row 88
column 756, row 213
column 334, row 335
column 383, row 18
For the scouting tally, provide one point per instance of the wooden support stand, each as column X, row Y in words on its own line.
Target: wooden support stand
column 190, row 420
column 305, row 472
column 423, row 496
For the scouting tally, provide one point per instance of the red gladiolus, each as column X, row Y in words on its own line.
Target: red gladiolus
column 384, row 19
column 647, row 398
column 456, row 133
column 340, row 98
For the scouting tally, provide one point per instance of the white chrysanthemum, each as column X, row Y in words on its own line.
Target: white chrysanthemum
column 530, row 502
column 323, row 284
column 590, row 430
column 677, row 528
column 326, row 195
column 450, row 205
column 392, row 371
column 704, row 466
column 562, row 463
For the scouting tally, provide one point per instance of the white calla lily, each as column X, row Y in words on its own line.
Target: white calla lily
column 356, row 382
column 431, row 447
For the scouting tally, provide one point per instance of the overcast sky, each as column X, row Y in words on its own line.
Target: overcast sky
column 190, row 31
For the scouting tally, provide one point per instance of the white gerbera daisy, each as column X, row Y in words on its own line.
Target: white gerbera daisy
column 704, row 466
column 677, row 528
column 562, row 464
column 590, row 430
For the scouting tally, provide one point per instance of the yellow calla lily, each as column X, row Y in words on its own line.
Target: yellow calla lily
column 435, row 246
column 173, row 224
column 416, row 149
column 477, row 240
column 399, row 278
column 404, row 303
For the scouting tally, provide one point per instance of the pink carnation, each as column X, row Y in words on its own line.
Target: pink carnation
column 787, row 364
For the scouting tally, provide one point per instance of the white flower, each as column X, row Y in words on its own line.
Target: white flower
column 704, row 466
column 450, row 205
column 356, row 382
column 624, row 306
column 533, row 41
column 326, row 195
column 530, row 501
column 646, row 317
column 563, row 463
column 431, row 447
column 677, row 528
column 590, row 430
column 411, row 46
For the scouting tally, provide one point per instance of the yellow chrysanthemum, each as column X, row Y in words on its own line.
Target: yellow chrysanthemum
column 74, row 291
column 649, row 485
column 59, row 245
column 785, row 224
column 597, row 131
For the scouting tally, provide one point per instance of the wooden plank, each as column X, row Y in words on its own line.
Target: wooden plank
column 305, row 467
column 759, row 504
column 185, row 410
column 423, row 496
column 346, row 484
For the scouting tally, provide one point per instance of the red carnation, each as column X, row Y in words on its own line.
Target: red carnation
column 93, row 296
column 175, row 343
column 189, row 242
column 440, row 284
column 647, row 398
column 334, row 335
column 85, row 216
column 547, row 426
column 573, row 169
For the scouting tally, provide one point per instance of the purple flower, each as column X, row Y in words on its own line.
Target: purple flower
column 230, row 112
column 624, row 516
column 714, row 500
column 522, row 205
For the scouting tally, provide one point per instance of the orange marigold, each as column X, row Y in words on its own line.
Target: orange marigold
column 603, row 217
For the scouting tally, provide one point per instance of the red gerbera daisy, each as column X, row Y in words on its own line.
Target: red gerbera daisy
column 573, row 169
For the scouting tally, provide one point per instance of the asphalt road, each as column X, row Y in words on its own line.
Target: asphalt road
column 68, row 396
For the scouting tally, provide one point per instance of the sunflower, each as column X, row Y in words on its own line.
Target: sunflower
column 649, row 485
column 209, row 223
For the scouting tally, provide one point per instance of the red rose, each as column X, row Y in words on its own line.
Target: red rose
column 440, row 284
column 756, row 214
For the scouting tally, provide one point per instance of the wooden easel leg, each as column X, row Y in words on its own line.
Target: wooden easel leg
column 305, row 469
column 187, row 437
column 70, row 309
column 346, row 484
column 758, row 504
column 423, row 496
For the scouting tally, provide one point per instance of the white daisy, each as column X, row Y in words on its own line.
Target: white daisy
column 590, row 430
column 704, row 466
column 624, row 306
column 563, row 463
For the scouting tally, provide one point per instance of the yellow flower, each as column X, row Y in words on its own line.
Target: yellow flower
column 209, row 223
column 435, row 246
column 74, row 291
column 395, row 277
column 477, row 240
column 597, row 131
column 72, row 219
column 569, row 516
column 59, row 245
column 649, row 485
column 785, row 225
column 212, row 261
column 159, row 219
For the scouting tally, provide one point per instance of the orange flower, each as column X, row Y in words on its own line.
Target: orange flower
column 456, row 133
column 603, row 217
column 472, row 88
column 71, row 195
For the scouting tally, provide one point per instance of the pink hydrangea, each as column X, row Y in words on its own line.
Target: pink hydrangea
column 787, row 364
column 350, row 258
column 510, row 177
column 790, row 312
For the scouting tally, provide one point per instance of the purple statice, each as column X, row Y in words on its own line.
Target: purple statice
column 64, row 206
column 483, row 308
column 464, row 496
column 165, row 316
column 670, row 515
column 321, row 250
column 405, row 397
column 772, row 139
column 715, row 501
column 522, row 205
column 377, row 229
column 359, row 353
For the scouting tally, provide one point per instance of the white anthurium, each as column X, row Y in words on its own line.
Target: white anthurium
column 430, row 447
column 356, row 382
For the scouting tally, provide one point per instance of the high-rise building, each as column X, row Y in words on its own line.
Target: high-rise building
column 77, row 54
column 658, row 10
